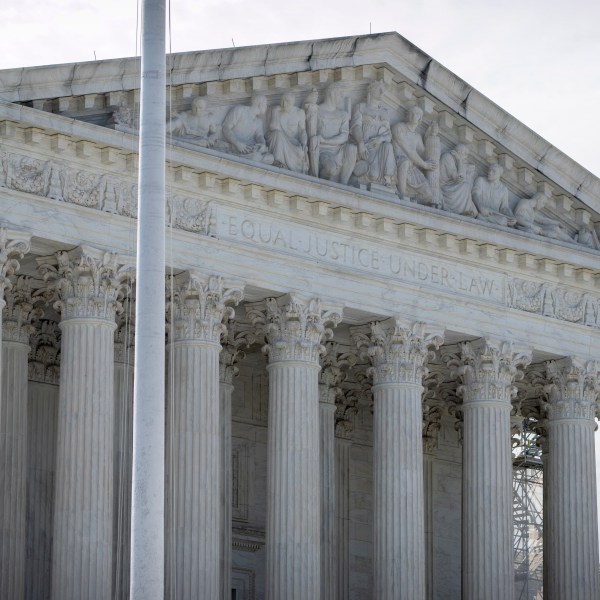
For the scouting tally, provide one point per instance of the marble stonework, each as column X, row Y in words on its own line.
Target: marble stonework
column 343, row 185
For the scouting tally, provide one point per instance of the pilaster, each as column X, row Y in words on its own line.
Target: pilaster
column 398, row 351
column 294, row 327
column 570, row 512
column 16, row 328
column 88, row 284
column 198, row 308
column 488, row 371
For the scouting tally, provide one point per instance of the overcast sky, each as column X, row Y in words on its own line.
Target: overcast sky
column 537, row 59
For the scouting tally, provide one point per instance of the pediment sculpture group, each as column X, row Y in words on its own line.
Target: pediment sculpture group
column 326, row 141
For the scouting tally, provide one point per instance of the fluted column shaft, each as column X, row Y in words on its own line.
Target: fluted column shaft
column 13, row 468
column 428, row 460
column 13, row 432
column 194, row 543
column 328, row 496
column 294, row 328
column 399, row 553
column 570, row 513
column 342, row 486
column 194, row 445
column 398, row 351
column 122, row 476
column 226, row 392
column 87, row 283
column 83, row 510
column 487, row 557
column 293, row 485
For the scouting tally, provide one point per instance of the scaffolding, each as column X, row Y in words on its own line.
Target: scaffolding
column 528, row 518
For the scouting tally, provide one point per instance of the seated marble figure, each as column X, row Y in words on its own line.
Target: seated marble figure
column 287, row 136
column 456, row 181
column 197, row 125
column 243, row 131
column 529, row 218
column 409, row 150
column 490, row 196
column 331, row 155
column 587, row 236
column 370, row 130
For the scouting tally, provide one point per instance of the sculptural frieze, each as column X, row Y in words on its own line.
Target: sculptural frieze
column 370, row 130
column 409, row 149
column 491, row 198
column 456, row 181
column 287, row 137
column 197, row 125
column 243, row 130
column 529, row 218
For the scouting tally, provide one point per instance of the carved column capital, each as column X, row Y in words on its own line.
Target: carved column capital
column 294, row 326
column 397, row 349
column 433, row 409
column 573, row 391
column 87, row 282
column 20, row 310
column 199, row 305
column 13, row 244
column 488, row 369
column 236, row 338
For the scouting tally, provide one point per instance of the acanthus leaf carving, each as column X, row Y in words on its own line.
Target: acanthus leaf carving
column 13, row 246
column 21, row 310
column 573, row 391
column 235, row 339
column 87, row 282
column 199, row 305
column 294, row 326
column 398, row 349
column 44, row 355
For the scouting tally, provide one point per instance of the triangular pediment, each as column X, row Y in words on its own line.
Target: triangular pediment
column 540, row 192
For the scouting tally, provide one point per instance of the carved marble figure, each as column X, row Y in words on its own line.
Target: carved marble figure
column 491, row 198
column 311, row 110
column 244, row 131
column 409, row 151
column 456, row 181
column 197, row 125
column 330, row 148
column 370, row 129
column 287, row 136
column 529, row 218
column 587, row 236
column 122, row 116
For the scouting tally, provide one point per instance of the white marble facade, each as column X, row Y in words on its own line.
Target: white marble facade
column 375, row 275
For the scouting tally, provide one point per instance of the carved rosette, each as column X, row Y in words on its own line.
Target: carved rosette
column 573, row 393
column 20, row 311
column 125, row 333
column 199, row 306
column 12, row 245
column 89, row 283
column 44, row 356
column 397, row 349
column 294, row 327
column 488, row 370
column 236, row 338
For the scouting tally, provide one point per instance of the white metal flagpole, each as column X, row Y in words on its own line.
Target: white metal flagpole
column 147, row 522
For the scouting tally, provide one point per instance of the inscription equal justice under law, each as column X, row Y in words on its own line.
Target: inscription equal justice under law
column 352, row 254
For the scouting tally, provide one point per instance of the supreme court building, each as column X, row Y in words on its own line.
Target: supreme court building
column 376, row 280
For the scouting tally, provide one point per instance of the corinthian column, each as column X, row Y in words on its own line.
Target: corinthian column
column 197, row 310
column 233, row 343
column 294, row 328
column 488, row 371
column 570, row 513
column 88, row 285
column 16, row 329
column 398, row 351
